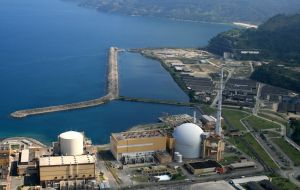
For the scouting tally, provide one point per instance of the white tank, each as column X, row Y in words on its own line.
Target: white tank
column 71, row 143
column 188, row 140
column 179, row 159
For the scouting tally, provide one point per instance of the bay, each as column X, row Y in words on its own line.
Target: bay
column 54, row 52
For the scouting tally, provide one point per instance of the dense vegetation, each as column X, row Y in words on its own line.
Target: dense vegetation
column 277, row 39
column 278, row 76
column 278, row 42
column 296, row 135
column 204, row 10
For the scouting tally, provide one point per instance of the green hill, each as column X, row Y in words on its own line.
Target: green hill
column 276, row 39
column 278, row 42
column 254, row 11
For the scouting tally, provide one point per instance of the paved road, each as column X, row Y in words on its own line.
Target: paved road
column 292, row 175
column 257, row 99
column 100, row 165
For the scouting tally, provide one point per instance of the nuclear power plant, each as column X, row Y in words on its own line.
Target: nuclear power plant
column 70, row 162
column 197, row 139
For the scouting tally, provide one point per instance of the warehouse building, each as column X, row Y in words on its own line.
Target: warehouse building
column 66, row 168
column 204, row 167
column 138, row 146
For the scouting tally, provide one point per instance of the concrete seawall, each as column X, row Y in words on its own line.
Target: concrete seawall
column 112, row 92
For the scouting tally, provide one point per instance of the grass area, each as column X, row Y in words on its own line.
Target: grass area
column 178, row 176
column 273, row 134
column 229, row 160
column 207, row 109
column 290, row 151
column 250, row 146
column 283, row 183
column 278, row 120
column 259, row 150
column 233, row 118
column 140, row 178
column 239, row 143
column 259, row 123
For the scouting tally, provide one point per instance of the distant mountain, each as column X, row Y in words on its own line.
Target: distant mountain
column 277, row 40
column 254, row 11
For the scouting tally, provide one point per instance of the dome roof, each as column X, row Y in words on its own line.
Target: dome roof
column 188, row 134
column 71, row 135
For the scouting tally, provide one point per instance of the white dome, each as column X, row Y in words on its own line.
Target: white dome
column 188, row 140
column 71, row 143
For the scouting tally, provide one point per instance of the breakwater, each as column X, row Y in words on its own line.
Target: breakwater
column 112, row 92
column 156, row 101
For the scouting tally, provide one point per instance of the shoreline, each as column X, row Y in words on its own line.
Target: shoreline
column 157, row 17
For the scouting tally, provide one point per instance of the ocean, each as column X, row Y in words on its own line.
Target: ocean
column 54, row 52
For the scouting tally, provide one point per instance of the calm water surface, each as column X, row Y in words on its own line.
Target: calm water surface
column 54, row 52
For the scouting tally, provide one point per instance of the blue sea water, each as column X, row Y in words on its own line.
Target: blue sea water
column 54, row 52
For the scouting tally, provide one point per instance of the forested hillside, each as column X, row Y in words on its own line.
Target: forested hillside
column 278, row 42
column 254, row 11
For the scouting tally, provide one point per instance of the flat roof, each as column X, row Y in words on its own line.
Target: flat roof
column 248, row 179
column 25, row 155
column 208, row 118
column 215, row 185
column 204, row 164
column 67, row 160
column 138, row 134
column 243, row 164
column 4, row 147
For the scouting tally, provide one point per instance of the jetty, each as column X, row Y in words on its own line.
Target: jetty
column 112, row 92
column 156, row 101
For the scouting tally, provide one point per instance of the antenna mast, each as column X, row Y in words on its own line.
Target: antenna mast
column 218, row 128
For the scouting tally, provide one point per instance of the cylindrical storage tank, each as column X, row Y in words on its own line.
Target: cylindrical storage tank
column 188, row 140
column 71, row 143
column 179, row 158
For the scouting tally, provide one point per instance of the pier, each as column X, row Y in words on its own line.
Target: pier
column 112, row 92
column 156, row 101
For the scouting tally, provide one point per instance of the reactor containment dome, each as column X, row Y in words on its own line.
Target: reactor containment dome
column 188, row 140
column 71, row 143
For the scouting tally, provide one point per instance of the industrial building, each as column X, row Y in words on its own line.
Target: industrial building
column 176, row 120
column 28, row 159
column 188, row 140
column 213, row 147
column 137, row 146
column 163, row 157
column 240, row 92
column 208, row 120
column 204, row 167
column 67, row 163
column 66, row 168
column 248, row 179
column 5, row 152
